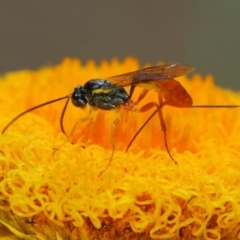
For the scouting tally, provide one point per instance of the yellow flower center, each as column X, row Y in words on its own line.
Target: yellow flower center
column 51, row 188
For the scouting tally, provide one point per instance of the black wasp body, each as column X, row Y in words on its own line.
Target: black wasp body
column 99, row 93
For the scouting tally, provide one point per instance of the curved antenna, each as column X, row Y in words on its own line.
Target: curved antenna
column 62, row 115
column 31, row 109
column 215, row 106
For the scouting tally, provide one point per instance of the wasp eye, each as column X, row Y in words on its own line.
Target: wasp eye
column 78, row 98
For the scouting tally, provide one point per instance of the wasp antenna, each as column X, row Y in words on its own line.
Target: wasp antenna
column 140, row 129
column 62, row 115
column 31, row 109
column 215, row 106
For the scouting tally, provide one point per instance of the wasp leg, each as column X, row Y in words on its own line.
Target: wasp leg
column 164, row 129
column 140, row 129
column 81, row 120
column 130, row 105
column 159, row 107
column 141, row 96
column 114, row 125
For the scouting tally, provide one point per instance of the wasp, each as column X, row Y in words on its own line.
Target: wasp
column 109, row 94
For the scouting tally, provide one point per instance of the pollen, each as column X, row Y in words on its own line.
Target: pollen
column 51, row 186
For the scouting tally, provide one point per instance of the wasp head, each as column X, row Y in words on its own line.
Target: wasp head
column 78, row 98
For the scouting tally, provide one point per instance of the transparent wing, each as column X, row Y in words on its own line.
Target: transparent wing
column 156, row 73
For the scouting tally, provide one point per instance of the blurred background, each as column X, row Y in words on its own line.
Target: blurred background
column 204, row 34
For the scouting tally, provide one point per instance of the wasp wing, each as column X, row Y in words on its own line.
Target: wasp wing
column 157, row 73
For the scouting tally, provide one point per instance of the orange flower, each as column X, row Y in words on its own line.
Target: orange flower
column 59, row 194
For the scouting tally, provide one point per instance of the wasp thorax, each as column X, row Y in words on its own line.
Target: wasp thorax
column 78, row 98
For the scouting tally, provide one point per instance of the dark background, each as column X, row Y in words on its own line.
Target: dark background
column 204, row 34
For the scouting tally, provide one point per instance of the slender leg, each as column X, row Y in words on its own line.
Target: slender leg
column 114, row 124
column 164, row 129
column 140, row 129
column 129, row 106
column 141, row 96
column 81, row 120
column 131, row 91
column 159, row 111
column 89, row 134
column 116, row 121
